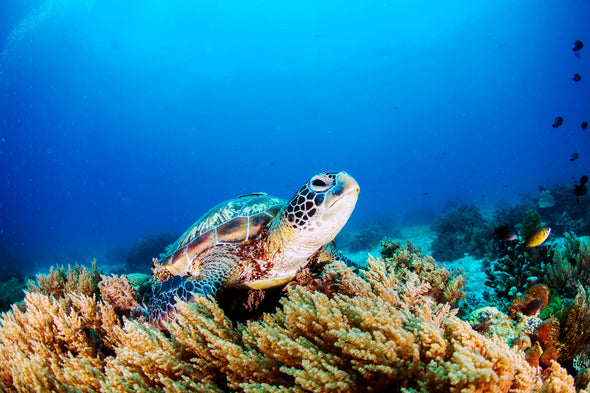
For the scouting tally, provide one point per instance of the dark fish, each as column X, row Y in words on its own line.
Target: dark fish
column 505, row 232
column 578, row 45
column 577, row 77
column 533, row 307
column 581, row 189
column 558, row 121
column 584, row 125
column 574, row 157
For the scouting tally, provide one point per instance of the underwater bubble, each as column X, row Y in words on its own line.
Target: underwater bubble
column 30, row 22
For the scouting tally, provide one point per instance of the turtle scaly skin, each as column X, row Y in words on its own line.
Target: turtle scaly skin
column 256, row 241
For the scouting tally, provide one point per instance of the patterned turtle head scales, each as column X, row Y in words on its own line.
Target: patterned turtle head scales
column 319, row 210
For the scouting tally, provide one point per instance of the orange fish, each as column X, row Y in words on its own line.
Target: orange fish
column 538, row 237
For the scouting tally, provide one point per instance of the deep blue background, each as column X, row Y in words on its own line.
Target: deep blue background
column 119, row 119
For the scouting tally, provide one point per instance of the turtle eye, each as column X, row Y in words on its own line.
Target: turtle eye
column 320, row 183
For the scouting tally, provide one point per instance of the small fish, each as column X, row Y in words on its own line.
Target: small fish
column 558, row 121
column 533, row 307
column 577, row 77
column 578, row 45
column 584, row 125
column 574, row 157
column 581, row 189
column 538, row 237
column 505, row 232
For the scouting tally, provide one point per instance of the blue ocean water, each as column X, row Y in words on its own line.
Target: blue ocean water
column 119, row 119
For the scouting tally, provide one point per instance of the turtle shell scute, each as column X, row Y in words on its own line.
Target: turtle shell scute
column 230, row 222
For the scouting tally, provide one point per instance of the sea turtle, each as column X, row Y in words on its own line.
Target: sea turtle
column 254, row 241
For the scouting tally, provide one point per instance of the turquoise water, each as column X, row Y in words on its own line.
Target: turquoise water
column 119, row 120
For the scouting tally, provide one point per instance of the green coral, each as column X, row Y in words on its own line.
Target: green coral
column 553, row 308
column 517, row 270
column 11, row 291
column 531, row 222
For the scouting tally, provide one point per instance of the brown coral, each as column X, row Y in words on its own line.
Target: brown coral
column 387, row 330
column 547, row 333
column 61, row 281
column 533, row 354
column 117, row 291
column 523, row 304
column 549, row 356
column 571, row 265
column 575, row 323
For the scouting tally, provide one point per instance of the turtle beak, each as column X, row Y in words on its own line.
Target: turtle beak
column 346, row 188
column 343, row 198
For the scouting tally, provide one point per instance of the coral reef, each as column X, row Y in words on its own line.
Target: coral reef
column 368, row 236
column 570, row 266
column 567, row 214
column 533, row 301
column 11, row 291
column 462, row 230
column 57, row 342
column 61, row 281
column 530, row 223
column 140, row 255
column 553, row 314
column 446, row 286
column 512, row 215
column 546, row 199
column 390, row 329
column 574, row 320
column 117, row 291
column 518, row 269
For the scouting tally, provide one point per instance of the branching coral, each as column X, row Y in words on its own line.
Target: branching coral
column 571, row 266
column 117, row 291
column 55, row 343
column 445, row 286
column 530, row 223
column 518, row 269
column 562, row 331
column 575, row 323
column 389, row 336
column 388, row 330
column 60, row 281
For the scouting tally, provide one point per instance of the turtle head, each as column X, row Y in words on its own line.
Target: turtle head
column 319, row 210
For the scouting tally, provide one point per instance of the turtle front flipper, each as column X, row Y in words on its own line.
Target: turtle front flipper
column 218, row 266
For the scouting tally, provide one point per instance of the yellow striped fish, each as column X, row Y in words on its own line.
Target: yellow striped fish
column 538, row 237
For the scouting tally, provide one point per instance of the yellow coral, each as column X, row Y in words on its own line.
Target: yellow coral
column 117, row 291
column 50, row 346
column 60, row 281
column 388, row 330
